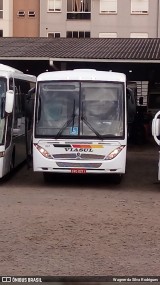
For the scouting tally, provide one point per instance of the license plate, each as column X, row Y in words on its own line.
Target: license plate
column 79, row 171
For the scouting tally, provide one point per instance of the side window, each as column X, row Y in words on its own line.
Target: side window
column 21, row 89
column 18, row 109
column 11, row 84
column 19, row 119
column 25, row 87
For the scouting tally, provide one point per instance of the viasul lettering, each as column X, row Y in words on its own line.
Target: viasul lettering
column 69, row 149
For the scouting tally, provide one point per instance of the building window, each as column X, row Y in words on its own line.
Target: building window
column 54, row 5
column 77, row 34
column 53, row 35
column 139, row 6
column 78, row 9
column 1, row 9
column 31, row 14
column 107, row 35
column 138, row 35
column 108, row 6
column 21, row 14
column 1, row 33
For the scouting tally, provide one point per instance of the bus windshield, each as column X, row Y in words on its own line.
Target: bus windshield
column 82, row 109
column 3, row 89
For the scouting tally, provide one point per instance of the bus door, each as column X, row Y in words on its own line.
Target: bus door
column 19, row 133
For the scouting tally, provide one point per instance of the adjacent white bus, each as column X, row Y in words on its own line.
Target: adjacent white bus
column 80, row 122
column 156, row 135
column 14, row 85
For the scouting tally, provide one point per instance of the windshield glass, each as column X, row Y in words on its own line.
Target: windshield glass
column 83, row 109
column 3, row 89
column 102, row 107
column 58, row 107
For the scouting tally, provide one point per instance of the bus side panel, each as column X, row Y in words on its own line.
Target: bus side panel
column 5, row 162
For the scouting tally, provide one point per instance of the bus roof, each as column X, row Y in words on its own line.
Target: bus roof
column 8, row 71
column 82, row 74
column 4, row 67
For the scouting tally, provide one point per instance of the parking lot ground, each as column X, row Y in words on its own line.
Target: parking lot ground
column 83, row 225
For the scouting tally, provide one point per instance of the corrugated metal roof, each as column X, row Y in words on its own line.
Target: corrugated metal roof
column 82, row 49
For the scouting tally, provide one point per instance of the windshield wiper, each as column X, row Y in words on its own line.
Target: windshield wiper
column 83, row 118
column 71, row 120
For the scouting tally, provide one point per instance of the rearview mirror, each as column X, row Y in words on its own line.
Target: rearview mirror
column 9, row 101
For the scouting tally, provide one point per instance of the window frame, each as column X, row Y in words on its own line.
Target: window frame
column 109, row 33
column 1, row 10
column 102, row 2
column 49, row 10
column 31, row 14
column 53, row 33
column 138, row 35
column 138, row 11
column 21, row 14
column 78, row 32
column 79, row 11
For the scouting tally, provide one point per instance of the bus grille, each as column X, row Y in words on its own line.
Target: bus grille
column 79, row 165
column 87, row 156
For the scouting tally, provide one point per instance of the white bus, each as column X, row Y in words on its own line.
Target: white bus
column 156, row 135
column 14, row 85
column 80, row 122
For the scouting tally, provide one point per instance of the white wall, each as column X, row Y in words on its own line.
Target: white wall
column 6, row 24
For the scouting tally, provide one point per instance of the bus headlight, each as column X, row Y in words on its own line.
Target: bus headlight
column 114, row 153
column 43, row 151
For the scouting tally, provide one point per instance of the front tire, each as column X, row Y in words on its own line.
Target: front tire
column 117, row 178
column 47, row 176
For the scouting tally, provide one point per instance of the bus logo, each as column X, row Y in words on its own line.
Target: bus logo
column 78, row 155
